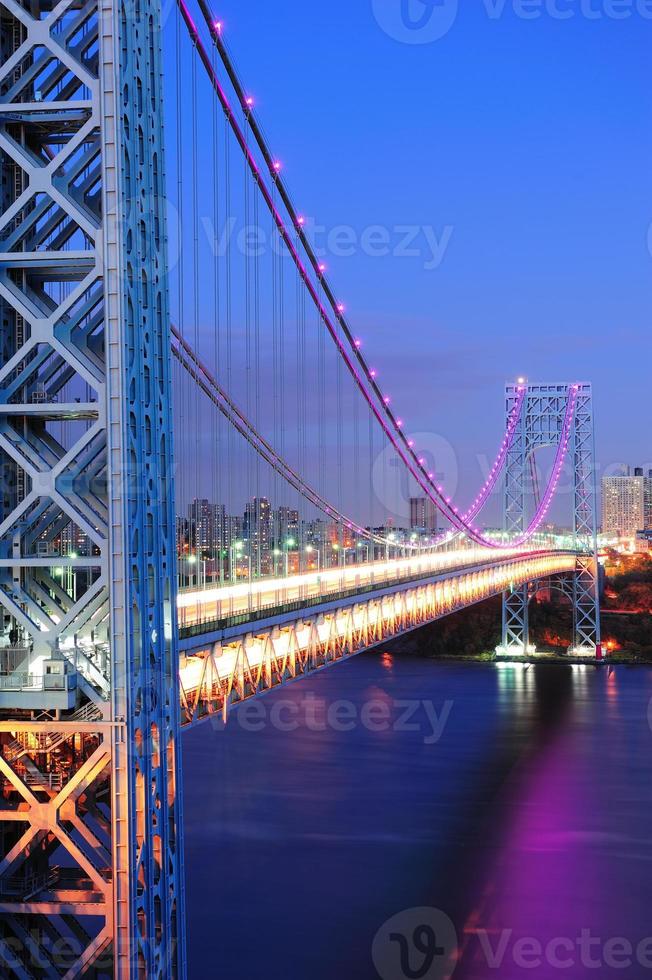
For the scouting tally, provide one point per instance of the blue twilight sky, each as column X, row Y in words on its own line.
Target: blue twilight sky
column 524, row 146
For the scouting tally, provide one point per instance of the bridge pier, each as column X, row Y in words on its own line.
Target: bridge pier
column 516, row 622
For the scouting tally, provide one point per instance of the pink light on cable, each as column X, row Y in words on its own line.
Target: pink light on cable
column 301, row 220
column 321, row 267
column 276, row 166
column 218, row 26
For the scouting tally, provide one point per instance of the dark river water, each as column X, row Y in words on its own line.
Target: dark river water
column 399, row 818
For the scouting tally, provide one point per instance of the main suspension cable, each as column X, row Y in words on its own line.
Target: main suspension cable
column 363, row 375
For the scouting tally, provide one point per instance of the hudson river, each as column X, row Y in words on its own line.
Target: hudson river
column 396, row 817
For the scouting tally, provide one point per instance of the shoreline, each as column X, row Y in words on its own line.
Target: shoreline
column 612, row 660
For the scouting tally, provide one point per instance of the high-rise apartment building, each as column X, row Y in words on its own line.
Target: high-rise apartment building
column 285, row 526
column 257, row 535
column 627, row 503
column 423, row 515
column 200, row 525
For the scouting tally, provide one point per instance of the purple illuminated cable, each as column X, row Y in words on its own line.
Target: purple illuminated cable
column 382, row 411
column 206, row 381
column 560, row 458
column 416, row 466
column 418, row 470
column 298, row 222
column 497, row 468
column 404, row 451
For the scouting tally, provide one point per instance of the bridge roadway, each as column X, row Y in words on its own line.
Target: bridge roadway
column 241, row 639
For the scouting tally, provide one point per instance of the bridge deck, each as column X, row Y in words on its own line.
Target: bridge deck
column 203, row 610
column 235, row 657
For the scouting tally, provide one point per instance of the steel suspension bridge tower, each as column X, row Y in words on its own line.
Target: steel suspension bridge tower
column 91, row 878
column 546, row 421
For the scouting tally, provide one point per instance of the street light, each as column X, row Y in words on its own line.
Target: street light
column 290, row 543
column 311, row 550
column 277, row 553
column 236, row 550
column 335, row 548
column 192, row 560
column 391, row 538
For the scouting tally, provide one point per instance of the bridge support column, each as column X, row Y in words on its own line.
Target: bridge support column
column 91, row 876
column 148, row 896
column 516, row 622
column 586, row 609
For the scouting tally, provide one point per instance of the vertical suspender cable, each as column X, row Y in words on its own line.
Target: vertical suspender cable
column 198, row 507
column 218, row 522
column 181, row 492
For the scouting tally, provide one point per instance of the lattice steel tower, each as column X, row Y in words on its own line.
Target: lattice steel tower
column 541, row 424
column 91, row 877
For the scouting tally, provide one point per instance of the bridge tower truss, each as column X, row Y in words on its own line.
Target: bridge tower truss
column 541, row 425
column 91, row 873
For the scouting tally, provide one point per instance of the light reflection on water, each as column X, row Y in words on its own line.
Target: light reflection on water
column 530, row 813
